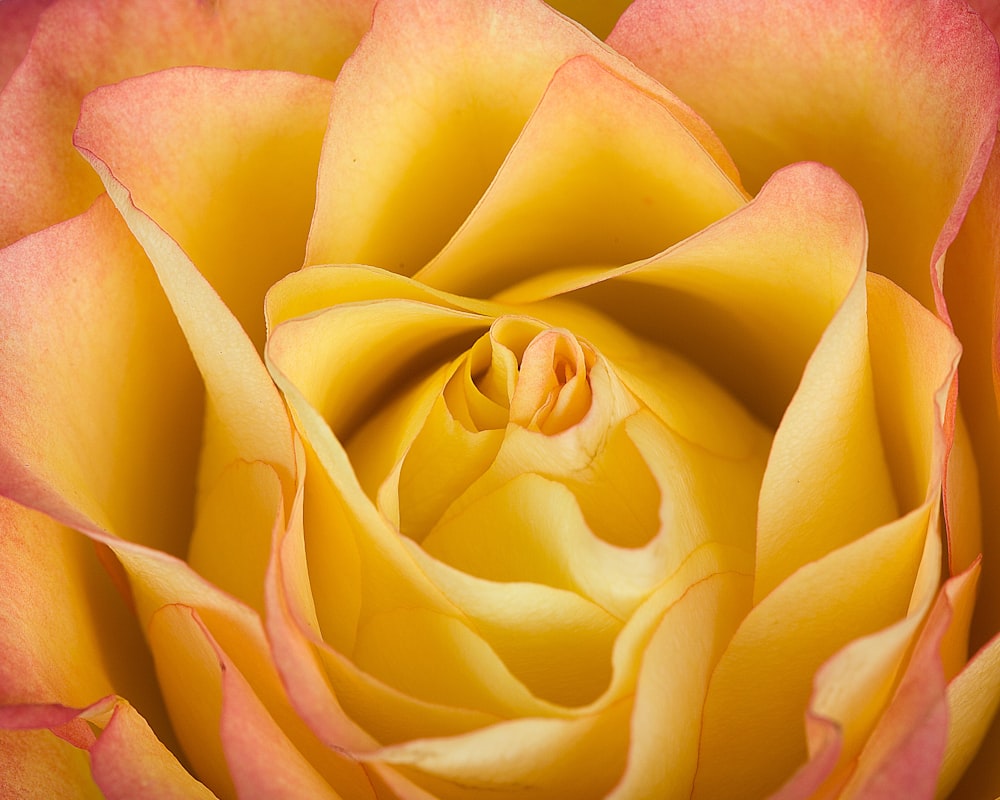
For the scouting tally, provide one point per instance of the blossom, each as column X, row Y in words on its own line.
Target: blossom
column 434, row 401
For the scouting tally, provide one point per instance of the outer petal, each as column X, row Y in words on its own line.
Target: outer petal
column 972, row 289
column 126, row 758
column 78, row 46
column 781, row 644
column 83, row 408
column 66, row 636
column 37, row 765
column 901, row 98
column 17, row 21
column 128, row 761
column 225, row 162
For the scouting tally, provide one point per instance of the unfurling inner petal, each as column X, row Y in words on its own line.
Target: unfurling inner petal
column 553, row 388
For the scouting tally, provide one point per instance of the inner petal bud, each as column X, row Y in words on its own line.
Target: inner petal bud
column 553, row 386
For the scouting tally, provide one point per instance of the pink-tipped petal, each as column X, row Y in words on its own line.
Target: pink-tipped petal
column 824, row 745
column 905, row 751
column 901, row 98
column 128, row 761
column 17, row 21
column 973, row 295
column 79, row 45
column 38, row 765
column 93, row 432
column 225, row 162
column 66, row 635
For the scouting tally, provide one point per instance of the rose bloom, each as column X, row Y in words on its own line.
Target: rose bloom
column 435, row 401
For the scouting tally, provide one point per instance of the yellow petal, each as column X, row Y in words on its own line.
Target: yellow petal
column 746, row 299
column 855, row 590
column 78, row 47
column 93, row 432
column 676, row 667
column 603, row 173
column 901, row 99
column 225, row 162
column 254, row 422
column 421, row 111
column 827, row 481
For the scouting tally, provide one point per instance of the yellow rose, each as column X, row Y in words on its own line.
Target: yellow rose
column 580, row 458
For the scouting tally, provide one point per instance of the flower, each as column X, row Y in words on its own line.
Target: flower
column 611, row 440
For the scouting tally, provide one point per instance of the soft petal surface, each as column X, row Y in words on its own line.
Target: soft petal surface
column 403, row 127
column 901, row 98
column 128, row 761
column 225, row 162
column 603, row 173
column 38, row 765
column 253, row 424
column 795, row 250
column 77, row 47
column 95, row 430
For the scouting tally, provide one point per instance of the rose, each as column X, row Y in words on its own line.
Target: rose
column 71, row 478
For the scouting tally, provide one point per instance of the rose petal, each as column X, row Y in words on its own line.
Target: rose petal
column 41, row 766
column 972, row 293
column 81, row 413
column 827, row 481
column 241, row 396
column 231, row 543
column 128, row 761
column 853, row 690
column 17, row 21
column 676, row 667
column 900, row 98
column 225, row 162
column 603, row 173
column 226, row 731
column 521, row 758
column 65, row 634
column 77, row 47
column 989, row 10
column 973, row 696
column 781, row 643
column 746, row 299
column 824, row 749
column 555, row 642
column 421, row 110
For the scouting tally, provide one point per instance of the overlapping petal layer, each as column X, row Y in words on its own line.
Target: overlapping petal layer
column 900, row 98
column 472, row 548
column 77, row 47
